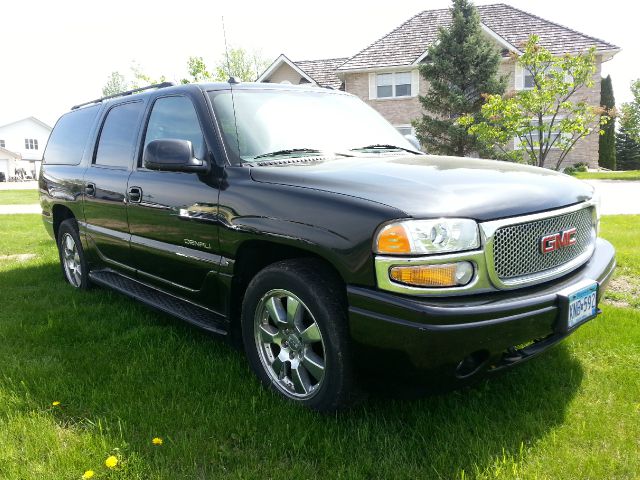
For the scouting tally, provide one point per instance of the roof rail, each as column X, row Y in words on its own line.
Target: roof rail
column 128, row 92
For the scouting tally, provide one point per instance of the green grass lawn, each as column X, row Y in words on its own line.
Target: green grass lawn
column 125, row 374
column 627, row 175
column 18, row 197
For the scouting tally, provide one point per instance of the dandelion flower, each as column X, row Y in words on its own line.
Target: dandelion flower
column 56, row 403
column 88, row 474
column 157, row 441
column 111, row 462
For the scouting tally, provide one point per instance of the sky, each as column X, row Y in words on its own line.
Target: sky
column 55, row 54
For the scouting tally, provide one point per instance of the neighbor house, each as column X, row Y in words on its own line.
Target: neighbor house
column 25, row 139
column 385, row 74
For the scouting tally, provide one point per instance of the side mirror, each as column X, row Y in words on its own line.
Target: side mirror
column 413, row 140
column 172, row 155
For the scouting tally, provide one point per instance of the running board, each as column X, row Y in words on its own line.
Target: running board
column 177, row 307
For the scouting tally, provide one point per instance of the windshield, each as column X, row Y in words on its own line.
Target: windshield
column 304, row 123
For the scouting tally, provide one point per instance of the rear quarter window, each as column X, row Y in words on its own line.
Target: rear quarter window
column 69, row 137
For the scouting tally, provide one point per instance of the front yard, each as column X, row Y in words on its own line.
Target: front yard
column 626, row 175
column 124, row 374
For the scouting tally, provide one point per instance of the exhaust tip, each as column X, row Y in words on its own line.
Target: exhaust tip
column 472, row 364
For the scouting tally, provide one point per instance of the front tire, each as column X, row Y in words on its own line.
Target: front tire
column 294, row 330
column 72, row 258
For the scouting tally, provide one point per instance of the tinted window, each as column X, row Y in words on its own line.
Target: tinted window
column 69, row 137
column 118, row 136
column 175, row 117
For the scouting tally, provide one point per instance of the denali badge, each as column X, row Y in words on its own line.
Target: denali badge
column 556, row 241
column 195, row 243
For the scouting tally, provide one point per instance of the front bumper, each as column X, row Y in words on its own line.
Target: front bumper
column 449, row 341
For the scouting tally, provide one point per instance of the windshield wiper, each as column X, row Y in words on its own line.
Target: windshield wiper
column 379, row 146
column 290, row 151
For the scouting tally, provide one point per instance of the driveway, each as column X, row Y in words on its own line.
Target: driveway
column 15, row 209
column 618, row 196
column 19, row 185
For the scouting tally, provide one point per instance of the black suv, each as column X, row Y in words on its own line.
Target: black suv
column 297, row 221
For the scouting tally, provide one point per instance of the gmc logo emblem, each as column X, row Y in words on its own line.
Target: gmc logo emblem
column 556, row 241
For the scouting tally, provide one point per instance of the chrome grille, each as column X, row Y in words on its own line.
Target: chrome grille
column 516, row 248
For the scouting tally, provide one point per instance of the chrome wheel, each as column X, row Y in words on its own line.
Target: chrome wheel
column 289, row 344
column 71, row 260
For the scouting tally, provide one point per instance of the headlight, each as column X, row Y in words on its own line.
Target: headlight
column 416, row 237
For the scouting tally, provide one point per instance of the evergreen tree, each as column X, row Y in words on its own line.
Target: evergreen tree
column 461, row 67
column 607, row 151
column 627, row 150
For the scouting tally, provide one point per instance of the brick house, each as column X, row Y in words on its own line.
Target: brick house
column 385, row 74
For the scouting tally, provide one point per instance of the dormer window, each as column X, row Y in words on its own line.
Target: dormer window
column 394, row 84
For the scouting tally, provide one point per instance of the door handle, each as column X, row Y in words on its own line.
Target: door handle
column 90, row 189
column 134, row 194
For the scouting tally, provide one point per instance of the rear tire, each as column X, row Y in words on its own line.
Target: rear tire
column 294, row 330
column 72, row 257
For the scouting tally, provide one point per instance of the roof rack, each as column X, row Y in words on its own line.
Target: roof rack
column 123, row 94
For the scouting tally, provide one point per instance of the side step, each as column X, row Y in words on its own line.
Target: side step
column 177, row 307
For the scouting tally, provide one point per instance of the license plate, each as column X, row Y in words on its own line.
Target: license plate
column 582, row 305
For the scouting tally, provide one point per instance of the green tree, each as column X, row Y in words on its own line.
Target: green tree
column 461, row 68
column 546, row 116
column 630, row 117
column 627, row 150
column 240, row 63
column 197, row 71
column 116, row 84
column 607, row 150
column 142, row 79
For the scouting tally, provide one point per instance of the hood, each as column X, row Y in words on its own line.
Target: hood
column 429, row 186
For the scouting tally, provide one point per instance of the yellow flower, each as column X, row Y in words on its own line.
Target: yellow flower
column 56, row 403
column 88, row 474
column 157, row 441
column 111, row 462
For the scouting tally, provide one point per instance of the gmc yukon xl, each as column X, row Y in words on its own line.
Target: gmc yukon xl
column 297, row 222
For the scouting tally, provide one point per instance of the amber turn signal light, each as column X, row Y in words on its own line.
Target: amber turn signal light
column 394, row 239
column 437, row 275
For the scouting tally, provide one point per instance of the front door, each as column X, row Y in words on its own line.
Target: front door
column 105, row 184
column 173, row 225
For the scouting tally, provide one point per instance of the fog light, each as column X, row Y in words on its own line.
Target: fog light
column 438, row 275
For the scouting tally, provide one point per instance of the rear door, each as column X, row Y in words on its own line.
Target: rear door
column 173, row 224
column 105, row 183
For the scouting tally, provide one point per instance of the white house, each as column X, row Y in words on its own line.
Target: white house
column 25, row 139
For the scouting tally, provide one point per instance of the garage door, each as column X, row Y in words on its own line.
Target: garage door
column 4, row 168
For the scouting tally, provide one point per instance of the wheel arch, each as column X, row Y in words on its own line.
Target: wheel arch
column 255, row 255
column 60, row 213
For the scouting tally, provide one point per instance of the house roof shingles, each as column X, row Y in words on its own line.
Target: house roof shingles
column 404, row 45
column 323, row 71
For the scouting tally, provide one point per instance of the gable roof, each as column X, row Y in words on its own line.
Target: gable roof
column 407, row 44
column 323, row 72
column 318, row 72
column 31, row 119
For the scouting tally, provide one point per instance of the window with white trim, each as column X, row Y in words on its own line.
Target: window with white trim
column 394, row 84
column 30, row 144
column 528, row 80
column 2, row 144
column 550, row 137
column 525, row 80
column 405, row 129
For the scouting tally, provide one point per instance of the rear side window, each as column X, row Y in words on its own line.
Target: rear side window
column 69, row 137
column 175, row 117
column 118, row 135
